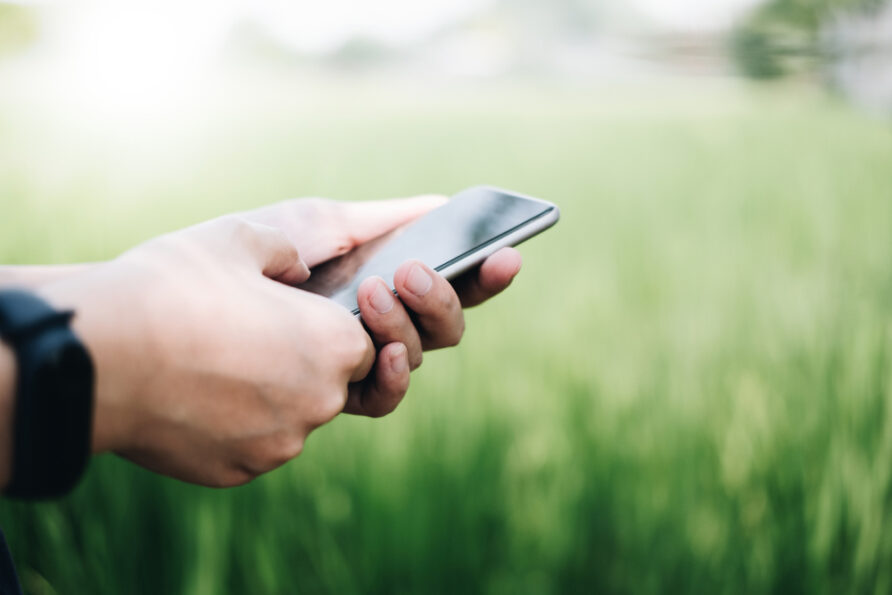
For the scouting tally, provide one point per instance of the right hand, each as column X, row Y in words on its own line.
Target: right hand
column 209, row 367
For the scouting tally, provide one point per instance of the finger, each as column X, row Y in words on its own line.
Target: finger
column 379, row 395
column 386, row 319
column 490, row 278
column 366, row 361
column 270, row 249
column 433, row 302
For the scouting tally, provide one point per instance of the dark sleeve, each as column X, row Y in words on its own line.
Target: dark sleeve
column 9, row 582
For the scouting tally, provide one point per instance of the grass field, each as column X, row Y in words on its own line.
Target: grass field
column 686, row 390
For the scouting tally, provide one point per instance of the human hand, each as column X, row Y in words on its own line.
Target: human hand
column 199, row 373
column 209, row 367
column 428, row 312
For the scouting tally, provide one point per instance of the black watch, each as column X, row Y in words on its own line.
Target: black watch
column 53, row 406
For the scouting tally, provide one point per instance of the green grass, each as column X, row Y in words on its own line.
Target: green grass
column 686, row 390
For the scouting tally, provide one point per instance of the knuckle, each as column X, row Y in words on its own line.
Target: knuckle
column 284, row 243
column 265, row 454
column 384, row 407
column 237, row 226
column 455, row 333
column 380, row 411
column 232, row 476
column 325, row 406
column 276, row 233
column 449, row 302
column 248, row 233
column 349, row 342
column 238, row 231
column 358, row 347
column 282, row 449
column 332, row 404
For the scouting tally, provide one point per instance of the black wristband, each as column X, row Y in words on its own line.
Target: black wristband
column 53, row 408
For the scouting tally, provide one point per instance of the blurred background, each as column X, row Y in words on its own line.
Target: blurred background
column 686, row 390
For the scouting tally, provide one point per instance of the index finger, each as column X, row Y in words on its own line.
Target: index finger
column 366, row 360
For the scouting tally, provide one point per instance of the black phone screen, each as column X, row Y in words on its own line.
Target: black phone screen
column 467, row 223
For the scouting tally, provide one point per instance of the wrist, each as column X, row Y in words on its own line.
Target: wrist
column 36, row 276
column 94, row 323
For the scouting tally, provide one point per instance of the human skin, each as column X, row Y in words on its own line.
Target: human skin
column 212, row 368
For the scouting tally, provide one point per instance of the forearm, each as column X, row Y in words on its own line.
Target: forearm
column 34, row 276
column 7, row 398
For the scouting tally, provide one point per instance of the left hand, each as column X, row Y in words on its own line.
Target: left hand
column 428, row 312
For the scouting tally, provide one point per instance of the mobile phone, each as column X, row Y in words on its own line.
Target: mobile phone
column 450, row 239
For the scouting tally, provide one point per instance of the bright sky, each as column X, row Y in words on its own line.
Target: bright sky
column 694, row 14
column 321, row 25
column 138, row 52
column 313, row 25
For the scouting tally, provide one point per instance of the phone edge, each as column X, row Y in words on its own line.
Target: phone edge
column 515, row 238
column 536, row 226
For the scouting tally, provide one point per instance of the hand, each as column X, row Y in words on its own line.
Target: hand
column 201, row 377
column 428, row 313
column 209, row 367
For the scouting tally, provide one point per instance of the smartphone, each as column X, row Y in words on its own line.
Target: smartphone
column 450, row 239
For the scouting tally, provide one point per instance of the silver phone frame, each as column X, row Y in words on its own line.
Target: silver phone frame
column 542, row 222
column 546, row 219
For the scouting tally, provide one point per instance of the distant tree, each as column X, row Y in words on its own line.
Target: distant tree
column 783, row 36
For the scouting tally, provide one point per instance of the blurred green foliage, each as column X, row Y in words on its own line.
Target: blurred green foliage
column 782, row 37
column 687, row 389
column 18, row 27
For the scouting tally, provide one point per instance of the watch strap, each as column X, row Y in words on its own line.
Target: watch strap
column 53, row 397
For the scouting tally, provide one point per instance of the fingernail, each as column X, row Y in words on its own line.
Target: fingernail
column 399, row 362
column 418, row 281
column 381, row 299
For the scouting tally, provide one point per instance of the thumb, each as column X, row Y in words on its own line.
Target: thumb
column 364, row 221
